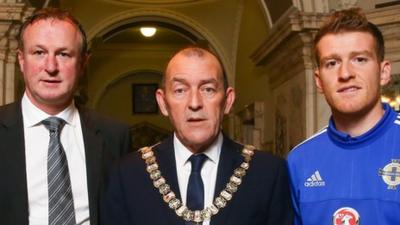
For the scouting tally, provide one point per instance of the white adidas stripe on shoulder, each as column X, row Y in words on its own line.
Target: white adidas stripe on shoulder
column 323, row 130
column 397, row 121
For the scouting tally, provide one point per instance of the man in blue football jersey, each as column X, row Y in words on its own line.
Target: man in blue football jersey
column 349, row 172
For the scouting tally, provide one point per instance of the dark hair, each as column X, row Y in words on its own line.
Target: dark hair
column 198, row 51
column 350, row 20
column 52, row 13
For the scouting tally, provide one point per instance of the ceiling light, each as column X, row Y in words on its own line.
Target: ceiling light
column 148, row 31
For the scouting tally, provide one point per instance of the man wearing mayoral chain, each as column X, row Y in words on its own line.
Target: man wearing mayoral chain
column 198, row 175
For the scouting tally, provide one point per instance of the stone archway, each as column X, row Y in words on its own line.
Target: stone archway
column 169, row 17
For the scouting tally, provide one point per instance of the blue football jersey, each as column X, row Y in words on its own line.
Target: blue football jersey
column 339, row 179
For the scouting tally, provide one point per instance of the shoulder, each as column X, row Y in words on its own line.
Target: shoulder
column 308, row 145
column 131, row 162
column 10, row 113
column 267, row 162
column 135, row 163
column 101, row 121
column 9, row 108
column 265, row 171
column 397, row 121
column 261, row 160
column 127, row 171
column 261, row 154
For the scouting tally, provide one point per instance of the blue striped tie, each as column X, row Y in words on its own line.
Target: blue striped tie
column 61, row 204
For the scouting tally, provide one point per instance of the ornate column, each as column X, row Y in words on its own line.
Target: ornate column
column 11, row 16
column 287, row 59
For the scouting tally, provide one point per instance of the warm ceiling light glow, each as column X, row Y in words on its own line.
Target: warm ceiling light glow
column 148, row 31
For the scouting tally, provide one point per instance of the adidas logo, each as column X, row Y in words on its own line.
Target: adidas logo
column 315, row 180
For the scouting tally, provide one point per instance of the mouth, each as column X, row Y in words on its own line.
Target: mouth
column 50, row 81
column 195, row 120
column 348, row 89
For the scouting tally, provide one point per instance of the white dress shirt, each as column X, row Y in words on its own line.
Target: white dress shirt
column 36, row 147
column 208, row 171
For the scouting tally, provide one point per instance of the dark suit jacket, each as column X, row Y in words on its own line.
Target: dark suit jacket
column 263, row 198
column 104, row 142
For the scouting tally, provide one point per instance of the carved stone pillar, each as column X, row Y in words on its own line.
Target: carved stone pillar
column 286, row 56
column 11, row 16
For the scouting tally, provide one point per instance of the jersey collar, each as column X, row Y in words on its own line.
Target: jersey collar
column 346, row 141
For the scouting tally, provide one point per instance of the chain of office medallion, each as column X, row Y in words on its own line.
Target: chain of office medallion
column 175, row 204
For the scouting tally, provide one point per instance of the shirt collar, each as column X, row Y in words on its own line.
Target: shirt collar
column 182, row 153
column 33, row 116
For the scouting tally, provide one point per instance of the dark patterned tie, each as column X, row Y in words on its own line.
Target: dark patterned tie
column 195, row 189
column 61, row 204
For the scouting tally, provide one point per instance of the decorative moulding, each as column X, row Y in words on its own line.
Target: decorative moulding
column 14, row 11
column 295, row 22
column 154, row 2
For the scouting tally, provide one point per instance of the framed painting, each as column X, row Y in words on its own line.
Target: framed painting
column 144, row 99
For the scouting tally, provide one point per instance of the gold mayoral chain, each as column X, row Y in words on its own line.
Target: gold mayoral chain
column 174, row 203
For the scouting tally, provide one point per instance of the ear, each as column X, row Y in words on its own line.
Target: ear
column 162, row 104
column 385, row 73
column 21, row 60
column 230, row 99
column 318, row 82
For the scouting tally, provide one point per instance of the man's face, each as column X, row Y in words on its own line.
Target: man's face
column 195, row 100
column 349, row 72
column 51, row 63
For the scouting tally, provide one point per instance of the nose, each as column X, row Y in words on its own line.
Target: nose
column 195, row 101
column 51, row 66
column 346, row 71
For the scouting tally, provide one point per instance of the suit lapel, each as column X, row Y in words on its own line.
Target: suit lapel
column 229, row 160
column 166, row 160
column 94, row 154
column 13, row 161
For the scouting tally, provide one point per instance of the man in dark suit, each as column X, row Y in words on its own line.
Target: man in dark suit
column 198, row 176
column 53, row 155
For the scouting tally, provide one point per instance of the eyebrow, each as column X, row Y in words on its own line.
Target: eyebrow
column 179, row 80
column 205, row 81
column 208, row 81
column 352, row 54
column 57, row 50
column 326, row 58
column 365, row 52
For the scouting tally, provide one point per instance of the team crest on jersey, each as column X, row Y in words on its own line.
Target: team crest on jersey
column 391, row 174
column 346, row 216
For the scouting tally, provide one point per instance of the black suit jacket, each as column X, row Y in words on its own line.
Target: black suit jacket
column 263, row 198
column 104, row 141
